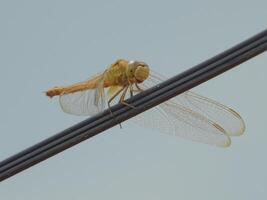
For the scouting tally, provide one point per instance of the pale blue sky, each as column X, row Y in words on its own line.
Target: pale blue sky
column 48, row 43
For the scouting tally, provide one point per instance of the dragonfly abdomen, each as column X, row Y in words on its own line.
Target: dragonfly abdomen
column 91, row 84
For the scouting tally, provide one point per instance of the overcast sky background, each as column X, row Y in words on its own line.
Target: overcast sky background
column 53, row 42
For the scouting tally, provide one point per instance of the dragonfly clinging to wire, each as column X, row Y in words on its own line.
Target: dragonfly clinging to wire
column 188, row 115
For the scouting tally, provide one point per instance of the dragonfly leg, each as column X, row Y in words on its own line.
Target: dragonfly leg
column 123, row 96
column 138, row 88
column 131, row 90
column 110, row 100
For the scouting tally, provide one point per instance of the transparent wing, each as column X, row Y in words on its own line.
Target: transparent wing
column 229, row 119
column 156, row 119
column 194, row 126
column 174, row 119
column 84, row 103
column 184, row 116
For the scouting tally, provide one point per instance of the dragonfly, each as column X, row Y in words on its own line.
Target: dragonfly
column 188, row 115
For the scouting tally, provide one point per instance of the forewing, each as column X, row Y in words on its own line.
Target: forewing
column 229, row 119
column 226, row 117
column 189, row 119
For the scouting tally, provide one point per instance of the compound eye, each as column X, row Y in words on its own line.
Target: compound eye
column 143, row 65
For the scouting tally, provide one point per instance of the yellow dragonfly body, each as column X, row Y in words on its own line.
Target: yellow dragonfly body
column 188, row 115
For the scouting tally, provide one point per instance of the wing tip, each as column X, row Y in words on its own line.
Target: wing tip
column 240, row 132
column 226, row 143
column 242, row 123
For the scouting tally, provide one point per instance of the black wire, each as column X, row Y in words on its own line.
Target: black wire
column 143, row 101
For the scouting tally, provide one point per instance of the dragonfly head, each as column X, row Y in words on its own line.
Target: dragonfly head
column 137, row 71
